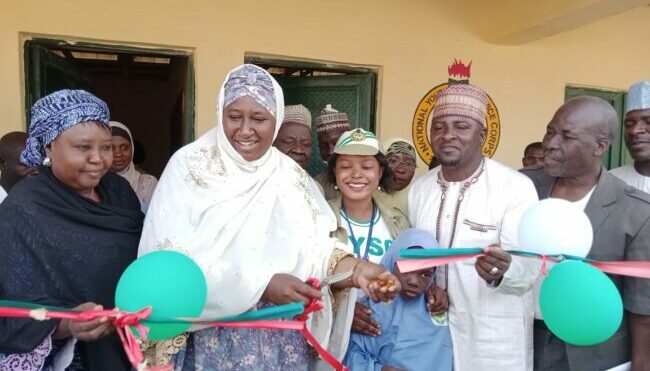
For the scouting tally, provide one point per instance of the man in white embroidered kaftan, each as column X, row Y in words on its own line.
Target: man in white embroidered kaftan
column 472, row 201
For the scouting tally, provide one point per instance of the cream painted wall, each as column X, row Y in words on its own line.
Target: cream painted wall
column 412, row 41
column 515, row 22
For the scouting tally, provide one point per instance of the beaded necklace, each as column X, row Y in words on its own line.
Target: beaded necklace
column 444, row 186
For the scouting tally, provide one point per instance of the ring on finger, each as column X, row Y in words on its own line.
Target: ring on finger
column 494, row 271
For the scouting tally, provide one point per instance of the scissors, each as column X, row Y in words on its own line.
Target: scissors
column 329, row 280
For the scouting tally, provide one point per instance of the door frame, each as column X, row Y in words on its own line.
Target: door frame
column 107, row 46
column 281, row 61
column 354, row 81
column 348, row 69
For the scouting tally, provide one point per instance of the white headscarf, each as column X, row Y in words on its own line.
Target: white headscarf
column 143, row 184
column 241, row 221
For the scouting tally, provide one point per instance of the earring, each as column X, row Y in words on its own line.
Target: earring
column 336, row 188
column 47, row 162
column 379, row 188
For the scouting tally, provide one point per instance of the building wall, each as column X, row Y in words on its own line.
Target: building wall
column 412, row 42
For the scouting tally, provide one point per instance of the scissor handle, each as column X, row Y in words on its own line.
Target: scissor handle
column 314, row 282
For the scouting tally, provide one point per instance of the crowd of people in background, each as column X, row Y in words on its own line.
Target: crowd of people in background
column 75, row 212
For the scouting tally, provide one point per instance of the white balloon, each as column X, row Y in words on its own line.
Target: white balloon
column 555, row 226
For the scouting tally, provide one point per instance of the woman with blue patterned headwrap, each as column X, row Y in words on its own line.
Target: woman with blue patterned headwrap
column 67, row 235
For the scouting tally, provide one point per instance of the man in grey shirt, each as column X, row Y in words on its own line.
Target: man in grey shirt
column 576, row 138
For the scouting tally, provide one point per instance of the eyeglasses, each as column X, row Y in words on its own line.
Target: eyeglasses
column 394, row 162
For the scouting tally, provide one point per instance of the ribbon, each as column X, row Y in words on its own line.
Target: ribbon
column 124, row 320
column 121, row 322
column 544, row 265
column 314, row 306
column 324, row 354
column 259, row 325
column 640, row 269
column 410, row 265
column 43, row 314
column 624, row 268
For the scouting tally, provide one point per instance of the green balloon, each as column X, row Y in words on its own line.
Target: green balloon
column 169, row 282
column 580, row 304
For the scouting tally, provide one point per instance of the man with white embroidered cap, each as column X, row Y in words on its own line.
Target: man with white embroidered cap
column 330, row 125
column 637, row 137
column 470, row 201
column 294, row 137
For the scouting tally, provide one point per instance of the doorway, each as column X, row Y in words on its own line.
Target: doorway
column 349, row 89
column 151, row 91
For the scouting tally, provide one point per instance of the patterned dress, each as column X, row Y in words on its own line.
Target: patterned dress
column 243, row 349
column 232, row 349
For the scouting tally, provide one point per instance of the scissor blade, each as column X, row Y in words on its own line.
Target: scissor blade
column 335, row 278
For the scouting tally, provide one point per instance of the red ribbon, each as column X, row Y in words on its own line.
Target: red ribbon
column 324, row 354
column 639, row 269
column 123, row 320
column 410, row 265
column 314, row 306
column 629, row 268
column 544, row 265
column 259, row 324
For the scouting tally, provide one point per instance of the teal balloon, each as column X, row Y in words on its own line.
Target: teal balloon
column 580, row 304
column 169, row 282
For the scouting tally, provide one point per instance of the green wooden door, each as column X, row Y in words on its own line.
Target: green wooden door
column 47, row 72
column 352, row 94
column 617, row 155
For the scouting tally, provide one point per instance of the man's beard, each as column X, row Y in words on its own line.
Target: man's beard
column 448, row 162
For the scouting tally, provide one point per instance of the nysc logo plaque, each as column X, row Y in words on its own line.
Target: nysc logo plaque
column 422, row 117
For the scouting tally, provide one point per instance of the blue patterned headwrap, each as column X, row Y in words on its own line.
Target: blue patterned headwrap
column 54, row 114
column 251, row 81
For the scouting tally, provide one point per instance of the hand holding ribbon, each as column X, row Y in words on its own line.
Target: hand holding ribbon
column 493, row 264
column 421, row 259
column 90, row 330
column 285, row 289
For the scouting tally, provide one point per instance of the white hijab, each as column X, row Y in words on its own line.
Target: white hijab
column 241, row 222
column 143, row 184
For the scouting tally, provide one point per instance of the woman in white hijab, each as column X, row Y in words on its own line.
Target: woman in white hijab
column 142, row 184
column 257, row 225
